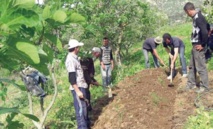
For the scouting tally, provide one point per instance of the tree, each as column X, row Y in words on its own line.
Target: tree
column 124, row 22
column 208, row 10
column 173, row 9
column 30, row 35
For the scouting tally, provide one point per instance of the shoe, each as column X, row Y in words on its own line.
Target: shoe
column 184, row 75
column 169, row 77
column 201, row 90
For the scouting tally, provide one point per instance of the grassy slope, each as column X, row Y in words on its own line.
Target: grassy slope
column 136, row 60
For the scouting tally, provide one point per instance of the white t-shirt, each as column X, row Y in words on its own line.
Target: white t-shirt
column 73, row 65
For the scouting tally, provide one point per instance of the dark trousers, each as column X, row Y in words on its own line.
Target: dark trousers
column 88, row 96
column 80, row 105
column 198, row 64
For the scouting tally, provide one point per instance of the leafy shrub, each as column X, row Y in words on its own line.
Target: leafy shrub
column 202, row 120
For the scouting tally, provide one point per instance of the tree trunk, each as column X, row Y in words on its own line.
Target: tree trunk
column 117, row 52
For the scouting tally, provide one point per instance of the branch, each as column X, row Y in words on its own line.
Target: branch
column 53, row 99
column 42, row 35
column 31, row 108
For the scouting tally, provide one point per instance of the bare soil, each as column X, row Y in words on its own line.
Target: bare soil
column 144, row 101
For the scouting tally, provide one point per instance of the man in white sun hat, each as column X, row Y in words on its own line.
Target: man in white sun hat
column 150, row 45
column 78, row 84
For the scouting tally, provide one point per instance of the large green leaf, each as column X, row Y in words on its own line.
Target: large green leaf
column 18, row 18
column 29, row 50
column 59, row 45
column 32, row 117
column 4, row 59
column 49, row 52
column 25, row 3
column 75, row 18
column 46, row 12
column 4, row 110
column 60, row 16
column 52, row 38
column 21, row 87
column 44, row 60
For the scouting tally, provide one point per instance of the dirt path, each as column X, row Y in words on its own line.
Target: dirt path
column 144, row 101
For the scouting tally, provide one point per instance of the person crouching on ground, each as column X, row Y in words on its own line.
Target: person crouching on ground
column 150, row 45
column 173, row 46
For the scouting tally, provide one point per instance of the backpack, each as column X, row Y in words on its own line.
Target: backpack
column 33, row 80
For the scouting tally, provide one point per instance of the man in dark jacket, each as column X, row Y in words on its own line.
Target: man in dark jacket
column 173, row 46
column 199, row 39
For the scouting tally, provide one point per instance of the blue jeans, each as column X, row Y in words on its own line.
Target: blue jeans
column 183, row 60
column 146, row 56
column 198, row 64
column 106, row 76
column 80, row 106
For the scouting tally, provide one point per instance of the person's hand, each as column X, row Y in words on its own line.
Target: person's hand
column 161, row 61
column 199, row 47
column 171, row 56
column 112, row 67
column 95, row 83
column 80, row 94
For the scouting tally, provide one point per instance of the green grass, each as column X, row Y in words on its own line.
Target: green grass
column 202, row 120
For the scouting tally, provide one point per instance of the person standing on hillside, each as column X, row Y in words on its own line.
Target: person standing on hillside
column 173, row 46
column 150, row 45
column 107, row 63
column 78, row 84
column 199, row 39
column 87, row 65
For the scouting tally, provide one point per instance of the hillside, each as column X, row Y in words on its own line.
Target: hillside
column 144, row 101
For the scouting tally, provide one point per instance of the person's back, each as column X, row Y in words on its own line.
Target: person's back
column 149, row 44
column 200, row 32
column 88, row 68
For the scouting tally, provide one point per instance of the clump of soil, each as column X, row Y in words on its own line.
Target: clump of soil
column 144, row 101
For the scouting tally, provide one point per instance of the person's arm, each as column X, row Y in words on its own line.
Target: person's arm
column 72, row 80
column 174, row 57
column 111, row 60
column 158, row 57
column 169, row 52
column 203, row 31
column 91, row 67
column 100, row 58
